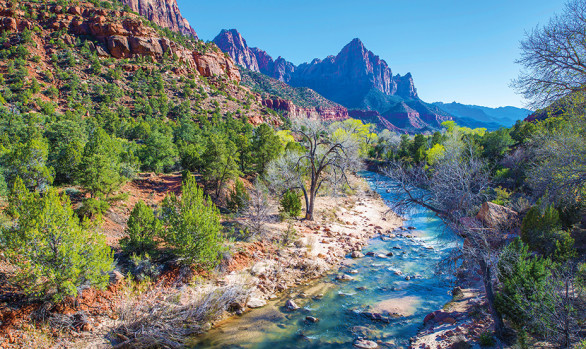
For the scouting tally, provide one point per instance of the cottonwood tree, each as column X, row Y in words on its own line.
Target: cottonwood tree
column 323, row 159
column 454, row 188
column 553, row 57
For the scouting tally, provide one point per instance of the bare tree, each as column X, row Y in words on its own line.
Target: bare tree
column 257, row 211
column 323, row 160
column 563, row 323
column 559, row 161
column 554, row 57
column 453, row 189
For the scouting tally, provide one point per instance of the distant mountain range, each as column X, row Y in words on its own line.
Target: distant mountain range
column 361, row 82
column 478, row 116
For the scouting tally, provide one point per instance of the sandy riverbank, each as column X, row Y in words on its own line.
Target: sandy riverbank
column 341, row 225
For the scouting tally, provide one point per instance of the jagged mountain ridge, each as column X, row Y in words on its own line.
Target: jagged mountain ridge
column 345, row 79
column 164, row 13
column 356, row 78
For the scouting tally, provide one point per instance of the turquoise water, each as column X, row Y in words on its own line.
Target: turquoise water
column 379, row 284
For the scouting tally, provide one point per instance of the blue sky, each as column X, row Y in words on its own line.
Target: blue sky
column 457, row 50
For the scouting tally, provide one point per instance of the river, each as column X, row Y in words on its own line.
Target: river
column 408, row 282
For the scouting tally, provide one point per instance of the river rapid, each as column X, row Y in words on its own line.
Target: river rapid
column 402, row 288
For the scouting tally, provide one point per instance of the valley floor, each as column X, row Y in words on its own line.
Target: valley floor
column 262, row 268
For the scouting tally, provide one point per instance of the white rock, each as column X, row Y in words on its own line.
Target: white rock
column 365, row 344
column 256, row 303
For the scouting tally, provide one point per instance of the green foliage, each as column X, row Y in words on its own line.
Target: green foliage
column 143, row 228
column 93, row 208
column 53, row 252
column 67, row 140
column 523, row 285
column 219, row 162
column 486, row 339
column 192, row 226
column 99, row 170
column 28, row 161
column 503, row 196
column 291, row 203
column 542, row 230
column 496, row 144
column 266, row 146
column 159, row 153
column 238, row 198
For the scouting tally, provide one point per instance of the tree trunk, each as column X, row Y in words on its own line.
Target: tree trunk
column 499, row 326
column 309, row 210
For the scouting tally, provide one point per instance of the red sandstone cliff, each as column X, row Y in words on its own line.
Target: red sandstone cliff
column 328, row 114
column 165, row 13
column 121, row 35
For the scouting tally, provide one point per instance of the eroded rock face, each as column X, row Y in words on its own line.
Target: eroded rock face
column 165, row 13
column 121, row 35
column 231, row 42
column 330, row 114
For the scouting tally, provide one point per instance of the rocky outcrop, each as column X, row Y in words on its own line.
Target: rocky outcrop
column 121, row 35
column 165, row 13
column 336, row 113
column 498, row 217
column 231, row 42
column 252, row 58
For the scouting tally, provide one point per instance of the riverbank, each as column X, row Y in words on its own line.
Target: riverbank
column 377, row 299
column 266, row 268
column 342, row 225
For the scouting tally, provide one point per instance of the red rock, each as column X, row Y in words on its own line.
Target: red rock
column 119, row 47
column 497, row 216
column 164, row 13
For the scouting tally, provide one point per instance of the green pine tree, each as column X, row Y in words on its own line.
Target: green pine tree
column 193, row 228
column 142, row 228
column 54, row 253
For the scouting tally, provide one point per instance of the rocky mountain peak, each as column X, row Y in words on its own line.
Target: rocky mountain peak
column 355, row 45
column 231, row 42
column 165, row 13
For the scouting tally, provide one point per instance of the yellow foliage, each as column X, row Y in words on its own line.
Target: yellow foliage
column 436, row 153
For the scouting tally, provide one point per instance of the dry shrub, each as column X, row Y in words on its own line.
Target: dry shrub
column 166, row 319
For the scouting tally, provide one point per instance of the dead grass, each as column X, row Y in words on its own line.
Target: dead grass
column 167, row 318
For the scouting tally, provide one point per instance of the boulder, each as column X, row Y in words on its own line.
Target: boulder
column 116, row 277
column 497, row 217
column 291, row 305
column 311, row 319
column 254, row 302
column 119, row 46
column 357, row 254
column 365, row 344
column 457, row 293
column 460, row 343
column 145, row 46
column 344, row 277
